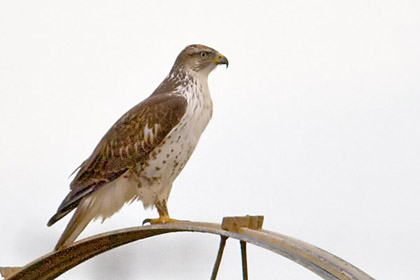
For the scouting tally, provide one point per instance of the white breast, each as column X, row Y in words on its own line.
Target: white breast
column 156, row 179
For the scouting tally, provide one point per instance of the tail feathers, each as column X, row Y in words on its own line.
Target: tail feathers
column 57, row 216
column 70, row 202
column 77, row 224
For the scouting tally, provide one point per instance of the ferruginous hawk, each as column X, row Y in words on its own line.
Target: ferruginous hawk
column 145, row 150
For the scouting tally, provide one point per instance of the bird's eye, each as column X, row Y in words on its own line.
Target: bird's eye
column 203, row 54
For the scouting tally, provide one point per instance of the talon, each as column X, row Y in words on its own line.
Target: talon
column 163, row 215
column 160, row 220
column 145, row 221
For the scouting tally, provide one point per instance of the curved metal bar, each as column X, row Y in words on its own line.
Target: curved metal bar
column 317, row 260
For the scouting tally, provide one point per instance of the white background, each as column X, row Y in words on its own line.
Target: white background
column 316, row 127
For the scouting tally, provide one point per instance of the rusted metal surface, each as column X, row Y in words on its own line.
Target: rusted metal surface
column 9, row 271
column 317, row 260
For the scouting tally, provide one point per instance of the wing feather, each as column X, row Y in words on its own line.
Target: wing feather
column 127, row 143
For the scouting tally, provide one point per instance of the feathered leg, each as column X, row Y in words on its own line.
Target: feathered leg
column 163, row 215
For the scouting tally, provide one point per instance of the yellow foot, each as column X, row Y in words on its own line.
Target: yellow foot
column 160, row 220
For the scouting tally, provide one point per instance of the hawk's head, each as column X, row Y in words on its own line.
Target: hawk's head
column 200, row 58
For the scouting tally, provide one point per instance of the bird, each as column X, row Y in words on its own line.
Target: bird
column 146, row 149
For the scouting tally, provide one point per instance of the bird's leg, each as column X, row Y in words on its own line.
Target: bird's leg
column 163, row 215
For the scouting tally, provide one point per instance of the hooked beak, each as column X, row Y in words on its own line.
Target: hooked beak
column 222, row 60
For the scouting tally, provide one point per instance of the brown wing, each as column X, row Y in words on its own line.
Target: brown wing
column 125, row 145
